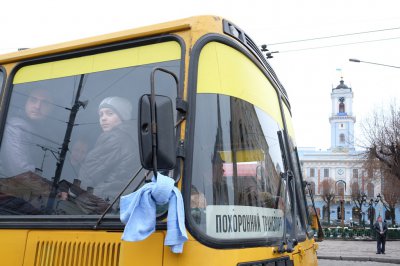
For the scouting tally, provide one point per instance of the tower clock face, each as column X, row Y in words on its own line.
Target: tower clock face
column 341, row 99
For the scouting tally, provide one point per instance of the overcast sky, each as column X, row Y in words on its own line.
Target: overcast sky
column 307, row 71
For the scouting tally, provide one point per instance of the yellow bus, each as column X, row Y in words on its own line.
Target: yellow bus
column 194, row 101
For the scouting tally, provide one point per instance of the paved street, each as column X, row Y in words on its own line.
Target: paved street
column 352, row 263
column 349, row 252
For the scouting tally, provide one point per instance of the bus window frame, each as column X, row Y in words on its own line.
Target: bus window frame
column 2, row 101
column 78, row 221
column 5, row 99
column 192, row 92
column 308, row 231
column 298, row 179
column 3, row 82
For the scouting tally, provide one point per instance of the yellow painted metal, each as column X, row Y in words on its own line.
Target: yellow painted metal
column 142, row 55
column 12, row 246
column 169, row 27
column 289, row 122
column 196, row 254
column 225, row 70
column 305, row 254
column 198, row 26
column 147, row 252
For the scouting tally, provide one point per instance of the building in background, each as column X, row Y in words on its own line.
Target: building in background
column 338, row 174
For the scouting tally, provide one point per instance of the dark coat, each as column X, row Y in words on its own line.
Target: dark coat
column 378, row 230
column 16, row 148
column 112, row 162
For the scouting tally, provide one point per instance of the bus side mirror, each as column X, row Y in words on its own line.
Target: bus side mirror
column 157, row 147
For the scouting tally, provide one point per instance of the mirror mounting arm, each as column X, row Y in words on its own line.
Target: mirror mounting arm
column 153, row 111
column 181, row 105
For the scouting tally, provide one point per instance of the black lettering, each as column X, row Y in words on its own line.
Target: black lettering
column 235, row 225
column 224, row 223
column 264, row 223
column 229, row 223
column 218, row 223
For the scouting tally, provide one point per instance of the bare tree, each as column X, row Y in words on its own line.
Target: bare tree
column 382, row 140
column 391, row 195
column 328, row 194
column 357, row 198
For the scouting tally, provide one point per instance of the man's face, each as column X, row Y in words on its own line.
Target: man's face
column 38, row 105
column 379, row 219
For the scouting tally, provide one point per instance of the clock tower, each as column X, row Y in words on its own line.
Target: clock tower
column 342, row 119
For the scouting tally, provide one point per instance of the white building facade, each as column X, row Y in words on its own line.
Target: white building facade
column 343, row 164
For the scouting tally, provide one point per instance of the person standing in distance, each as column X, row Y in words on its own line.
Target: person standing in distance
column 381, row 230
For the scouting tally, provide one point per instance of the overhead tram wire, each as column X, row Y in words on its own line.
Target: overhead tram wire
column 336, row 45
column 335, row 36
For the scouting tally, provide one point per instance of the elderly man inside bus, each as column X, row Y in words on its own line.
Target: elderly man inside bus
column 16, row 148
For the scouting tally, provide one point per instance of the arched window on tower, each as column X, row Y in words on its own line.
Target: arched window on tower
column 341, row 105
column 341, row 108
column 342, row 138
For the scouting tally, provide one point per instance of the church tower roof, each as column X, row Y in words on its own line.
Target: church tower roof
column 342, row 86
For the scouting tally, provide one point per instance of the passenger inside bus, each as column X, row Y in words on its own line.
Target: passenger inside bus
column 112, row 161
column 18, row 170
column 76, row 157
column 78, row 153
column 16, row 148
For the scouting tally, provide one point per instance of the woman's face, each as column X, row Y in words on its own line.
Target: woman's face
column 108, row 119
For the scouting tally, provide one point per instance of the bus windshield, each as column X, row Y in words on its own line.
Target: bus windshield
column 237, row 189
column 70, row 142
column 237, row 192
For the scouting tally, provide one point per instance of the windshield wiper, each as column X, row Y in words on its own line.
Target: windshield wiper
column 287, row 176
column 119, row 195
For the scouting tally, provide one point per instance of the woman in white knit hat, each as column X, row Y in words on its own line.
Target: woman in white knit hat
column 112, row 111
column 110, row 164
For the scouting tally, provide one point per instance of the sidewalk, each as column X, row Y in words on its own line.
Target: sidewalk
column 358, row 251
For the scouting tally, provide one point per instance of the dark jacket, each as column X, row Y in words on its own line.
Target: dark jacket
column 378, row 229
column 16, row 148
column 110, row 164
